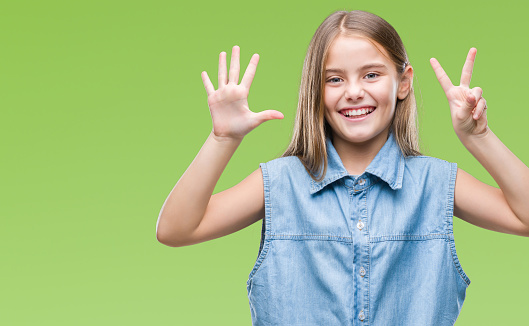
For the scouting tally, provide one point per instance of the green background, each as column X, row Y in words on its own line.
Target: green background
column 103, row 108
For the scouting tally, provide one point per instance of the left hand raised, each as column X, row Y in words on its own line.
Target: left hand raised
column 467, row 106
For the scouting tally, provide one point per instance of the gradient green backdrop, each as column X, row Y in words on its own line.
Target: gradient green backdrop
column 103, row 108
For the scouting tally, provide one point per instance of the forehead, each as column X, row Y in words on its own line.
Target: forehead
column 356, row 49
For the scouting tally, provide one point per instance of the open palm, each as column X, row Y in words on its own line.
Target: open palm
column 231, row 115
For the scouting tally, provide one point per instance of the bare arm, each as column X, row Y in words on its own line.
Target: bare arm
column 190, row 213
column 487, row 206
column 506, row 209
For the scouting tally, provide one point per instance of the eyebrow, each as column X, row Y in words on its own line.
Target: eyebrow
column 374, row 65
column 334, row 70
column 368, row 66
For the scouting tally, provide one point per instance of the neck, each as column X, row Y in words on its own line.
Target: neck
column 356, row 157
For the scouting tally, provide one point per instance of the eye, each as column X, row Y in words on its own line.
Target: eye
column 371, row 75
column 334, row 80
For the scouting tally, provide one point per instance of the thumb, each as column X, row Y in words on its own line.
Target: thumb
column 268, row 115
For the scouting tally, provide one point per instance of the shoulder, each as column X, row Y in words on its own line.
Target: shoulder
column 425, row 159
column 284, row 161
column 282, row 164
column 431, row 170
column 283, row 170
column 428, row 162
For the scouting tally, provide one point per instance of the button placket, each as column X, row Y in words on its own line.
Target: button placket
column 362, row 186
column 359, row 214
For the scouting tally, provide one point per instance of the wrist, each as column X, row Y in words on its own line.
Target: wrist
column 471, row 141
column 228, row 141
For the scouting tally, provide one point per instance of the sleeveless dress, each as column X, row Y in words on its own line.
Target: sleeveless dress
column 376, row 249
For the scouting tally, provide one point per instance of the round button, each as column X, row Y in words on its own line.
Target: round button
column 360, row 225
column 362, row 182
column 361, row 315
column 362, row 271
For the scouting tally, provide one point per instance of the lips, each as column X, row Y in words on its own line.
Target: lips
column 357, row 112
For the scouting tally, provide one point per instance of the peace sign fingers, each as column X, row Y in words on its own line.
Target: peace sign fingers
column 441, row 75
column 466, row 105
column 466, row 74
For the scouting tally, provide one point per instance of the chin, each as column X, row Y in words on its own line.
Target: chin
column 363, row 137
column 358, row 139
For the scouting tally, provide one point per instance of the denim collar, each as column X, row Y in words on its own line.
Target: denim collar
column 388, row 165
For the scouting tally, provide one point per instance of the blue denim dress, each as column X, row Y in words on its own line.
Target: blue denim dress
column 375, row 249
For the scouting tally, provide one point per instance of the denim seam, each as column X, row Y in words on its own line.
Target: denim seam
column 425, row 157
column 400, row 172
column 450, row 225
column 315, row 237
column 350, row 224
column 457, row 265
column 268, row 202
column 368, row 263
column 409, row 237
column 267, row 222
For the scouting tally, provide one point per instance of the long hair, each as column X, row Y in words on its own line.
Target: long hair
column 310, row 128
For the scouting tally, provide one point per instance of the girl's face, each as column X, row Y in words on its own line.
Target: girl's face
column 361, row 90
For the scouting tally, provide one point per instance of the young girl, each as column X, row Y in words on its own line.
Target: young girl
column 357, row 224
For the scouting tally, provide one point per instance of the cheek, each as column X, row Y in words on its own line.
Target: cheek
column 326, row 114
column 330, row 96
column 387, row 94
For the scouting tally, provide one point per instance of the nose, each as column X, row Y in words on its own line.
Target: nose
column 354, row 91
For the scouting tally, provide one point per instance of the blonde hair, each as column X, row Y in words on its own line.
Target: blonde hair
column 310, row 128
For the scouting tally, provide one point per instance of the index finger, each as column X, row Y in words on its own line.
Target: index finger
column 466, row 74
column 249, row 74
column 441, row 75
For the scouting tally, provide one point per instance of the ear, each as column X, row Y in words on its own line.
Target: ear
column 406, row 82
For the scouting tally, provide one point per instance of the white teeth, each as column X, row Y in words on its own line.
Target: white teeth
column 356, row 112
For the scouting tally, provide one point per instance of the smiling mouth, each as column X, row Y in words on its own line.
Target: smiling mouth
column 357, row 113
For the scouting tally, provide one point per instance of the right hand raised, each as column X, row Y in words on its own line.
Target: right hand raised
column 228, row 105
